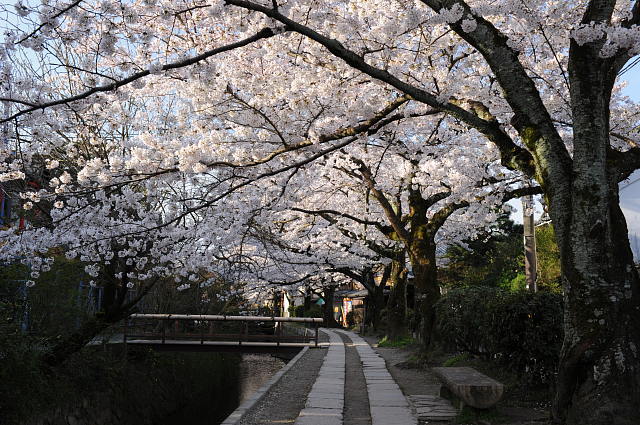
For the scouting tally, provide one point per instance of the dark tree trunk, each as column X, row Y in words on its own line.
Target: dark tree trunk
column 113, row 309
column 599, row 371
column 422, row 256
column 78, row 340
column 375, row 299
column 307, row 301
column 377, row 305
column 599, row 374
column 397, row 304
column 327, row 307
column 277, row 303
column 423, row 262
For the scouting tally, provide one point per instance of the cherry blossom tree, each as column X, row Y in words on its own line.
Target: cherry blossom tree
column 257, row 90
column 406, row 195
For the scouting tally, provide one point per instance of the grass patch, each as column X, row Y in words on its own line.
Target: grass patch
column 396, row 343
column 455, row 360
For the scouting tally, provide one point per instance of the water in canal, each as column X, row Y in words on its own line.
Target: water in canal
column 255, row 371
column 215, row 397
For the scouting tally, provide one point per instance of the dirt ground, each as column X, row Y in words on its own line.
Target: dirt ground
column 414, row 378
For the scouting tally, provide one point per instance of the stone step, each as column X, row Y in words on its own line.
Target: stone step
column 432, row 408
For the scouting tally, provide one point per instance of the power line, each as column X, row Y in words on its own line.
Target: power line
column 633, row 182
column 628, row 67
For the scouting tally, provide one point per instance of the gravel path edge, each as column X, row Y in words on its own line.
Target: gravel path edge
column 237, row 415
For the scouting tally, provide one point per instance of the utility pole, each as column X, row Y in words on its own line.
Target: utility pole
column 530, row 261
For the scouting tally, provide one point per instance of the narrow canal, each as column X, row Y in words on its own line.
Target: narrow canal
column 213, row 398
column 255, row 371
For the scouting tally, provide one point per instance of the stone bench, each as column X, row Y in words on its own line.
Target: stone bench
column 472, row 387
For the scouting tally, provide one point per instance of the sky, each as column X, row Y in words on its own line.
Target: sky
column 630, row 189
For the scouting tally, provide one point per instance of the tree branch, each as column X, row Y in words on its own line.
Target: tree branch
column 513, row 155
column 341, row 214
column 46, row 22
column 390, row 213
column 264, row 33
column 531, row 119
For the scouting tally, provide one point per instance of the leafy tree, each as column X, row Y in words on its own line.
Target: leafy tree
column 497, row 259
column 494, row 259
column 549, row 275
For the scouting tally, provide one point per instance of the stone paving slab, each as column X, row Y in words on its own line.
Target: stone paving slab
column 318, row 420
column 325, row 401
column 324, row 394
column 383, row 415
column 388, row 405
column 320, row 412
column 432, row 408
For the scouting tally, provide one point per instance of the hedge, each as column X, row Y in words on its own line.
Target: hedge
column 520, row 330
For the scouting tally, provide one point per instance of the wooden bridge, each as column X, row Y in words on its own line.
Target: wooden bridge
column 203, row 332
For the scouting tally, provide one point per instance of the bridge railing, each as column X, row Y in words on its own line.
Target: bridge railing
column 206, row 327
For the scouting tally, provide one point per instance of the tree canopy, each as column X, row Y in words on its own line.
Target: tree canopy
column 148, row 136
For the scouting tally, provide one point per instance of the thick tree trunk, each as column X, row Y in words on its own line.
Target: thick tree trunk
column 375, row 299
column 397, row 304
column 307, row 300
column 599, row 373
column 375, row 306
column 327, row 308
column 114, row 308
column 78, row 340
column 422, row 256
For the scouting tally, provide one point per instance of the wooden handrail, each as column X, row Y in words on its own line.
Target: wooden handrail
column 212, row 317
column 178, row 329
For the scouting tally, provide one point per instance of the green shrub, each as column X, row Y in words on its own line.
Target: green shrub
column 400, row 342
column 298, row 311
column 452, row 361
column 518, row 283
column 520, row 330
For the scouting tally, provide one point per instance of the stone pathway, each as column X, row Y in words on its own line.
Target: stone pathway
column 374, row 397
column 420, row 386
column 387, row 403
column 325, row 401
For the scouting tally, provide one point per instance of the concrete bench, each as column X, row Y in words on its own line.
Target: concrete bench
column 472, row 387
